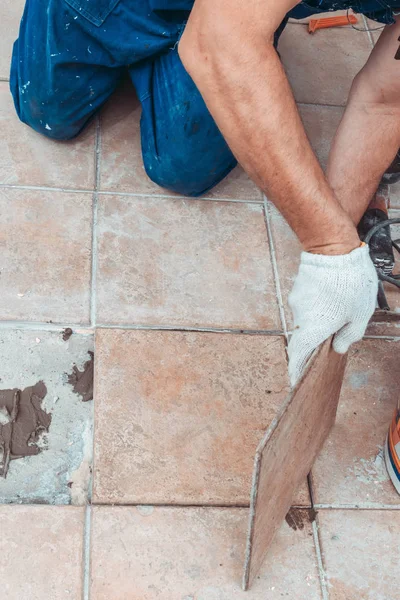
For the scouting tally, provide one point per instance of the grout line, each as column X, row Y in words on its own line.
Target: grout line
column 97, row 151
column 88, row 515
column 128, row 194
column 89, row 329
column 371, row 39
column 271, row 332
column 320, row 562
column 181, row 506
column 360, row 506
column 310, row 485
column 342, row 106
column 317, row 541
column 391, row 338
column 44, row 188
column 86, row 553
column 93, row 279
column 171, row 505
column 5, row 79
column 93, row 276
column 275, row 269
column 179, row 197
column 80, row 328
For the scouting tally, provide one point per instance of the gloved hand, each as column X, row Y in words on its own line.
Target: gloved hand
column 331, row 295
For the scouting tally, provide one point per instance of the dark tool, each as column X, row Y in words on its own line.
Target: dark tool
column 385, row 273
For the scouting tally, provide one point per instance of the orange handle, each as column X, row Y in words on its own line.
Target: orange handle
column 327, row 22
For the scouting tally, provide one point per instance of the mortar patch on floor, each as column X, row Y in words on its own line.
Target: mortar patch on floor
column 22, row 422
column 60, row 472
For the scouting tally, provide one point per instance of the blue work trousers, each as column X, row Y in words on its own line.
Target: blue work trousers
column 71, row 54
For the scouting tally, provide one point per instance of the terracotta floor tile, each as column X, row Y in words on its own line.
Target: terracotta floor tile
column 122, row 167
column 145, row 553
column 11, row 13
column 184, row 262
column 361, row 552
column 321, row 123
column 376, row 30
column 322, row 66
column 302, row 496
column 41, row 552
column 236, row 186
column 46, row 255
column 351, row 469
column 383, row 328
column 395, row 195
column 288, row 249
column 28, row 158
column 393, row 293
column 179, row 415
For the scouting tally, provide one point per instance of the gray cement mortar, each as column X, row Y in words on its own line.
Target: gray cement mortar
column 61, row 472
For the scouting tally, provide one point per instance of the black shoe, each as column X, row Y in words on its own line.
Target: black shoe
column 380, row 246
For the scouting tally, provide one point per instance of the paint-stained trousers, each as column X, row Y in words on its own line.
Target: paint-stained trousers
column 70, row 56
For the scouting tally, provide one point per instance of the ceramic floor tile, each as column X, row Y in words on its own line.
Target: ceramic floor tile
column 288, row 249
column 184, row 262
column 122, row 165
column 145, row 553
column 46, row 255
column 41, row 552
column 321, row 123
column 302, row 496
column 179, row 415
column 394, row 192
column 350, row 468
column 393, row 293
column 321, row 67
column 361, row 553
column 237, row 186
column 376, row 30
column 11, row 13
column 385, row 329
column 28, row 158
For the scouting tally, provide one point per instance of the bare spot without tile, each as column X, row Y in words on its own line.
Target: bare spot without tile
column 22, row 422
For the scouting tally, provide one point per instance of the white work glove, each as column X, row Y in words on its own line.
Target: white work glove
column 331, row 295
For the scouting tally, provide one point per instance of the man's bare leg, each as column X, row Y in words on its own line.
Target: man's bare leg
column 368, row 137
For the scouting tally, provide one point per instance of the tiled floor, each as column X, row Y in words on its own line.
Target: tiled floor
column 187, row 302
